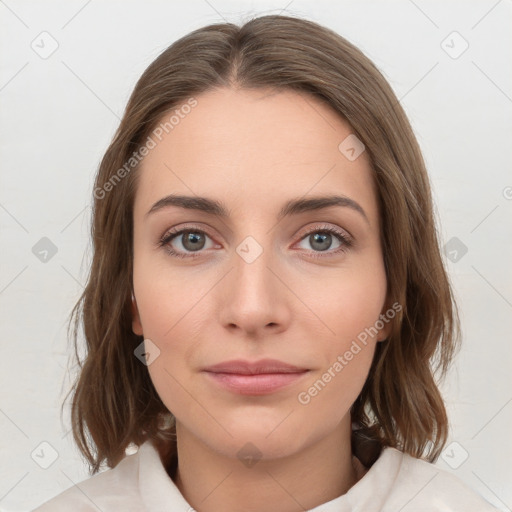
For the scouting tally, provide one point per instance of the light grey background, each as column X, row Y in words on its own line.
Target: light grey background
column 60, row 112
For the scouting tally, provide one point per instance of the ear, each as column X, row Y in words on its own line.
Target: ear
column 385, row 331
column 386, row 321
column 136, row 324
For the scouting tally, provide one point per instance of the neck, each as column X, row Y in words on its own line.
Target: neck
column 319, row 473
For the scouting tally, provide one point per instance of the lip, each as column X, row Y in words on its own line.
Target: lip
column 254, row 378
column 241, row 367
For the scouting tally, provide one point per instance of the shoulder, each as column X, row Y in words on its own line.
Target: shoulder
column 418, row 486
column 113, row 489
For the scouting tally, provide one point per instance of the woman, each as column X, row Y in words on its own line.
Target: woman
column 267, row 306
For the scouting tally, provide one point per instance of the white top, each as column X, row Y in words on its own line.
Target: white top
column 396, row 481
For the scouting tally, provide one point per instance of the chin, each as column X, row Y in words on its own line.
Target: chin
column 249, row 445
column 265, row 440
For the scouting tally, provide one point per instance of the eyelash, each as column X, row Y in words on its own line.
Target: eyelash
column 346, row 242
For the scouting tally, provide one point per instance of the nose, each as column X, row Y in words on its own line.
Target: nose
column 255, row 299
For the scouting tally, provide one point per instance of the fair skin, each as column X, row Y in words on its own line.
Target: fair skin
column 253, row 151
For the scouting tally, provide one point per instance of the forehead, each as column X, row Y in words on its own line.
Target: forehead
column 254, row 146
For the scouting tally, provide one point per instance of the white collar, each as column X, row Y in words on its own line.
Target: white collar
column 159, row 492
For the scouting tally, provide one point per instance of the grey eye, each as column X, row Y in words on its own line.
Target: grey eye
column 192, row 240
column 320, row 241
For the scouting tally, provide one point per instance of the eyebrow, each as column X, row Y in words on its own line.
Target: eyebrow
column 291, row 207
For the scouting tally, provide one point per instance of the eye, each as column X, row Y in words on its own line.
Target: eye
column 189, row 242
column 322, row 238
column 185, row 242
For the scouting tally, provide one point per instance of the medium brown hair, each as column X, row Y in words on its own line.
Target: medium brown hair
column 114, row 401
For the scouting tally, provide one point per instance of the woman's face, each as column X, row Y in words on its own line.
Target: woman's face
column 257, row 276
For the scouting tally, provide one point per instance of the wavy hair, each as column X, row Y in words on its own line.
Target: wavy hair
column 114, row 403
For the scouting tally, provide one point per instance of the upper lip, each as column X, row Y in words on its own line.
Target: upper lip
column 241, row 367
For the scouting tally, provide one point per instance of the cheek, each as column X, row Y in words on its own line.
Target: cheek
column 168, row 300
column 349, row 303
column 170, row 312
column 329, row 395
column 171, row 305
column 349, row 308
column 169, row 382
column 170, row 372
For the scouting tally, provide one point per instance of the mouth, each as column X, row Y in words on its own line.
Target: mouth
column 254, row 378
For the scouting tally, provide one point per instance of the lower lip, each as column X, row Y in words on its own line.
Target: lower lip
column 260, row 384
